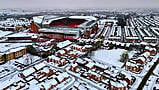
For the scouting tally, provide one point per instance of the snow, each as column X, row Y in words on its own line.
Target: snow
column 6, row 46
column 83, row 17
column 28, row 72
column 16, row 49
column 53, row 19
column 54, row 57
column 156, row 71
column 64, row 44
column 103, row 21
column 22, row 35
column 40, row 66
column 131, row 54
column 109, row 56
column 4, row 33
column 90, row 65
column 38, row 19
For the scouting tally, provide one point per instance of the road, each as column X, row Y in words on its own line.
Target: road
column 146, row 77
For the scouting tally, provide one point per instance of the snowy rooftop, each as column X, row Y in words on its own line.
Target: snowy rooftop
column 22, row 35
column 64, row 44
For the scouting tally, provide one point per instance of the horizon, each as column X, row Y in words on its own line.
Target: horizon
column 76, row 4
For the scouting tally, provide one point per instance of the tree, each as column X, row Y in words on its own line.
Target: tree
column 31, row 50
column 124, row 57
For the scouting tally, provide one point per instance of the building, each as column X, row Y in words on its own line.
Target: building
column 70, row 27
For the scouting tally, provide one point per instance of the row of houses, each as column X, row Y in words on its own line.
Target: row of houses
column 136, row 64
column 107, row 43
column 40, row 74
column 146, row 35
column 13, row 53
column 108, row 76
column 57, row 60
column 115, row 33
column 88, row 41
column 143, row 26
column 12, row 24
column 67, row 52
column 130, row 34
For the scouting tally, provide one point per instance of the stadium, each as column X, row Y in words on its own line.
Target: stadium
column 65, row 28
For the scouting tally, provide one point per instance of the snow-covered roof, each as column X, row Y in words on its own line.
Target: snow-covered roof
column 132, row 37
column 67, row 48
column 15, row 49
column 101, row 65
column 144, row 43
column 145, row 54
column 87, row 46
column 39, row 66
column 73, row 52
column 74, row 65
column 28, row 71
column 38, row 19
column 126, row 74
column 77, row 46
column 60, row 77
column 150, row 38
column 64, row 44
column 54, row 57
column 89, row 65
column 83, row 17
column 79, row 60
column 45, row 70
column 141, row 58
column 132, row 64
column 61, row 51
column 22, row 35
column 48, row 21
column 103, row 21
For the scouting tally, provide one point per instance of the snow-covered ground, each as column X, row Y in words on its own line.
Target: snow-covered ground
column 4, row 33
column 156, row 71
column 109, row 56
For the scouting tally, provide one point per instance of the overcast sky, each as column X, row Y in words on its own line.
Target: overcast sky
column 78, row 4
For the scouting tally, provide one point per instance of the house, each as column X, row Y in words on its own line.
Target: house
column 63, row 62
column 20, row 52
column 50, row 85
column 74, row 67
column 58, row 60
column 146, row 55
column 15, row 53
column 152, row 51
column 2, row 57
column 134, row 67
column 127, row 77
column 54, row 59
column 67, row 49
column 73, row 54
column 61, row 53
column 64, row 44
column 90, row 65
column 17, row 86
column 95, row 76
column 118, row 85
column 140, row 60
column 76, row 47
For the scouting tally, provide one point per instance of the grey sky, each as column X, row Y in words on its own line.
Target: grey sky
column 75, row 4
